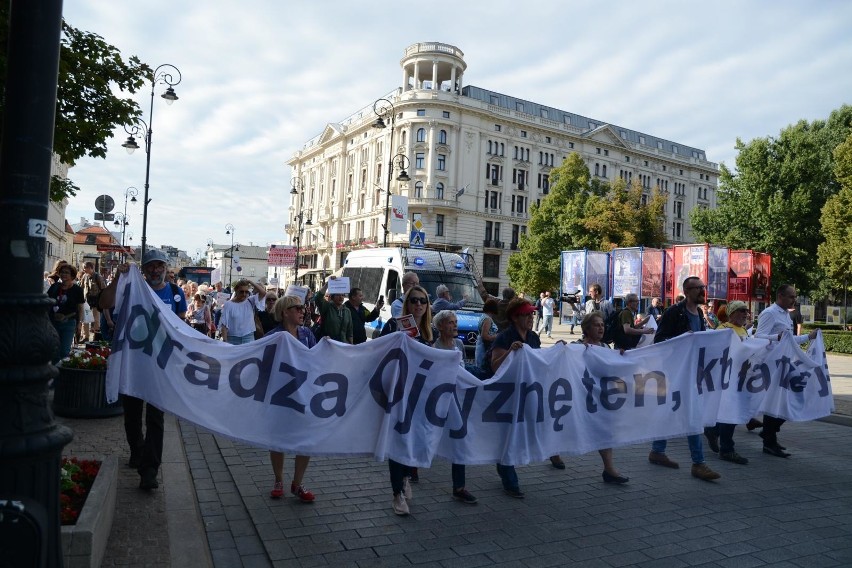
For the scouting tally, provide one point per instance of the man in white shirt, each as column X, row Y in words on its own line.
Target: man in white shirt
column 547, row 306
column 773, row 322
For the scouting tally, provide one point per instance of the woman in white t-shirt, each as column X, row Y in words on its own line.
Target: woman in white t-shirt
column 237, row 325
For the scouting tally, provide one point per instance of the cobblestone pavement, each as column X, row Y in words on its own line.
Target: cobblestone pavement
column 213, row 507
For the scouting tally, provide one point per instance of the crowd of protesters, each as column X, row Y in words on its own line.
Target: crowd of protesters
column 247, row 311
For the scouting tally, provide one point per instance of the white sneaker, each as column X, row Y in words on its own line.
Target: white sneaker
column 400, row 507
column 406, row 489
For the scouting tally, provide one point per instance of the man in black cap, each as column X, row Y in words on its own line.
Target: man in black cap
column 146, row 452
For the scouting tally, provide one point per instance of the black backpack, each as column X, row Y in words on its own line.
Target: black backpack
column 611, row 326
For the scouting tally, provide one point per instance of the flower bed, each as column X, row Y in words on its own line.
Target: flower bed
column 81, row 385
column 76, row 479
column 84, row 543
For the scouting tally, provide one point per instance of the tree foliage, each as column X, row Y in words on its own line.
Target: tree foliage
column 835, row 253
column 87, row 107
column 773, row 201
column 580, row 212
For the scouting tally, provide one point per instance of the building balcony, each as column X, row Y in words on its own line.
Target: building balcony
column 492, row 244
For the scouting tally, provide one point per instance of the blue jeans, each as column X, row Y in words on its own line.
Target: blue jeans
column 241, row 339
column 696, row 450
column 66, row 330
column 508, row 476
column 548, row 324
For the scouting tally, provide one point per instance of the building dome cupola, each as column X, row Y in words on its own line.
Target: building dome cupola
column 432, row 66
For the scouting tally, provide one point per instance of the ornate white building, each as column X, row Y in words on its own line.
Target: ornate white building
column 476, row 160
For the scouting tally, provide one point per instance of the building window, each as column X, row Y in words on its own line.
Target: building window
column 439, row 225
column 495, row 100
column 544, row 113
column 597, row 150
column 597, row 169
column 421, row 135
column 641, row 139
column 603, row 171
column 519, row 106
column 547, row 139
column 606, row 152
column 489, row 230
column 523, row 133
column 421, row 112
column 442, row 162
column 446, row 114
column 516, row 235
column 491, row 265
column 674, row 150
column 659, row 145
column 439, row 191
column 498, row 128
column 489, row 147
column 418, row 190
column 570, row 145
column 442, row 137
column 419, row 160
column 627, row 159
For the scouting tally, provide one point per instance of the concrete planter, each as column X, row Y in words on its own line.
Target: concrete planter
column 83, row 544
column 81, row 393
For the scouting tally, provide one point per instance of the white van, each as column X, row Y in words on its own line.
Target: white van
column 378, row 272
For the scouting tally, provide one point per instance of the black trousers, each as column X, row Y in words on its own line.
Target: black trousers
column 771, row 427
column 150, row 446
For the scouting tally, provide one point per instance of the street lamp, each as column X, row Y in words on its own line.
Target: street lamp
column 129, row 193
column 169, row 76
column 297, row 187
column 383, row 108
column 230, row 230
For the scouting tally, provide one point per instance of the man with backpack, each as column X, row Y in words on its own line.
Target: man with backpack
column 146, row 452
column 684, row 317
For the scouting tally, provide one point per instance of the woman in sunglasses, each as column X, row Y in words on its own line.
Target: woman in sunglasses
column 239, row 321
column 289, row 312
column 415, row 303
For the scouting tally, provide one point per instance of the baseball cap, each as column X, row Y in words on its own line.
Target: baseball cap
column 152, row 255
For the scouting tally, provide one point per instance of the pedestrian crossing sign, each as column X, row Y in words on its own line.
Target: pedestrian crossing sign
column 417, row 240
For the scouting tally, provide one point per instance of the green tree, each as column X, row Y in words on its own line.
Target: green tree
column 773, row 201
column 87, row 107
column 836, row 221
column 580, row 212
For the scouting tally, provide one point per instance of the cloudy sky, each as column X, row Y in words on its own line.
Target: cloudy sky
column 261, row 77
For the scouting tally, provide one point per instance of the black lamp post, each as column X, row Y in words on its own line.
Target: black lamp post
column 297, row 188
column 131, row 193
column 31, row 441
column 169, row 76
column 230, row 230
column 383, row 108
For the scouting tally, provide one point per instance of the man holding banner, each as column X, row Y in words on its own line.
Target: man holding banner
column 773, row 322
column 681, row 318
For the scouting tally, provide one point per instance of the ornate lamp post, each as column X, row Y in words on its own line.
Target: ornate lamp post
column 298, row 189
column 31, row 441
column 383, row 108
column 169, row 76
column 121, row 221
column 230, row 230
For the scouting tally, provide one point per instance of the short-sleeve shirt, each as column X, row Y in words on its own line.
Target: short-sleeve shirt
column 626, row 317
column 506, row 338
column 66, row 300
column 172, row 297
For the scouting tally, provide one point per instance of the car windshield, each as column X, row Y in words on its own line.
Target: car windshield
column 460, row 285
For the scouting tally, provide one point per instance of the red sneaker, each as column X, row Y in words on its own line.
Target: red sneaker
column 277, row 490
column 303, row 494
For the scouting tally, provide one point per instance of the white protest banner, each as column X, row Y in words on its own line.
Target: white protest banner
column 648, row 339
column 298, row 291
column 394, row 397
column 339, row 285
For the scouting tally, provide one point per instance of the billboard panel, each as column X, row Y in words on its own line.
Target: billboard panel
column 717, row 272
column 626, row 271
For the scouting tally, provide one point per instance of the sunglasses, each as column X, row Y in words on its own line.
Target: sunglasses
column 422, row 301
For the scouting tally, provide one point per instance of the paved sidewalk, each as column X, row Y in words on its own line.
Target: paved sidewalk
column 213, row 507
